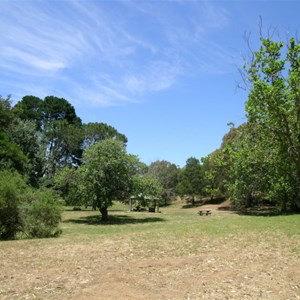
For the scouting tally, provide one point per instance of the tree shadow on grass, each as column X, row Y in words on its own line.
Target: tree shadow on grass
column 114, row 220
column 86, row 209
column 258, row 211
column 190, row 205
column 204, row 201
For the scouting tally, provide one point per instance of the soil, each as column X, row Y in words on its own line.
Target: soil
column 114, row 267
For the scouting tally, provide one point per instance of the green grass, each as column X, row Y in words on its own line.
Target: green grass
column 176, row 222
column 183, row 231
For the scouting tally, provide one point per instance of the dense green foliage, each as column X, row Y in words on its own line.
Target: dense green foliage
column 97, row 132
column 69, row 182
column 262, row 156
column 59, row 131
column 41, row 145
column 106, row 168
column 167, row 175
column 12, row 186
column 273, row 110
column 11, row 155
column 27, row 211
column 191, row 179
column 146, row 192
column 41, row 213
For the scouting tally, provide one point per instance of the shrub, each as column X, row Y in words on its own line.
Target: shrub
column 42, row 214
column 35, row 213
column 11, row 187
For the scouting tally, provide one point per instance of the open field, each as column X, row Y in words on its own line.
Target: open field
column 175, row 254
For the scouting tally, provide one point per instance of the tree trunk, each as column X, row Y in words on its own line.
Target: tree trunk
column 104, row 214
column 283, row 208
column 249, row 200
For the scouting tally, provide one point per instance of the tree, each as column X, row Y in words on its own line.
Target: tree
column 63, row 134
column 273, row 106
column 250, row 166
column 68, row 182
column 62, row 146
column 217, row 166
column 23, row 133
column 6, row 113
column 106, row 168
column 97, row 132
column 31, row 108
column 59, row 109
column 167, row 175
column 11, row 155
column 214, row 177
column 60, row 131
column 191, row 179
column 147, row 191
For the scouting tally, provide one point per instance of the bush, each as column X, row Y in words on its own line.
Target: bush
column 42, row 214
column 35, row 213
column 11, row 187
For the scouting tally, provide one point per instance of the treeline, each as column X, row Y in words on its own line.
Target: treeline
column 259, row 161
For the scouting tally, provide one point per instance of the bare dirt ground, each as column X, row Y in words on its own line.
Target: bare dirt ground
column 248, row 266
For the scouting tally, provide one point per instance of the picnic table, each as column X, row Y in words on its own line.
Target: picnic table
column 204, row 212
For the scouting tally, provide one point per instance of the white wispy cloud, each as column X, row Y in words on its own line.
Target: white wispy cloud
column 159, row 75
column 91, row 50
column 215, row 16
column 30, row 59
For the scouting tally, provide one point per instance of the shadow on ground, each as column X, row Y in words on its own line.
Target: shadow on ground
column 259, row 211
column 191, row 205
column 114, row 220
column 202, row 202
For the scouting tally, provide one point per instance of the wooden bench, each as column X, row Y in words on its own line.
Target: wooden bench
column 204, row 212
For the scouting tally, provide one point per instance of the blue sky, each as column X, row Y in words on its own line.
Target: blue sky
column 164, row 73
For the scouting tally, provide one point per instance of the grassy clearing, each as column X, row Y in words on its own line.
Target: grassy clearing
column 175, row 254
column 176, row 222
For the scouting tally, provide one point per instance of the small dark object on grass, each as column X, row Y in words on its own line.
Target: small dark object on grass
column 204, row 212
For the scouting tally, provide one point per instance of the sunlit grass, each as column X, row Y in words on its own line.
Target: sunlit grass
column 175, row 223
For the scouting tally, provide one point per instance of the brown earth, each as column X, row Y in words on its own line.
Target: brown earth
column 117, row 267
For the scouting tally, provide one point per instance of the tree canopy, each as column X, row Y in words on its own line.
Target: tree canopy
column 166, row 174
column 106, row 167
column 273, row 110
column 191, row 179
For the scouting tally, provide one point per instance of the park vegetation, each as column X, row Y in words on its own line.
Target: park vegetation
column 49, row 158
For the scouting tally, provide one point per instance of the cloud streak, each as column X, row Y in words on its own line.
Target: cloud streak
column 99, row 53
